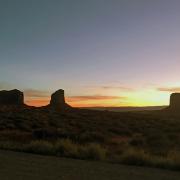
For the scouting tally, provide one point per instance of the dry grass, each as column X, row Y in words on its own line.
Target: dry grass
column 63, row 148
column 145, row 139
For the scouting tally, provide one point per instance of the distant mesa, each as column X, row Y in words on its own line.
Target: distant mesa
column 57, row 98
column 12, row 97
column 57, row 101
column 16, row 98
column 174, row 104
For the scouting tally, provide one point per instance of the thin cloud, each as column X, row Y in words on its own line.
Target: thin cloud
column 169, row 89
column 107, row 87
column 93, row 97
column 118, row 87
column 32, row 93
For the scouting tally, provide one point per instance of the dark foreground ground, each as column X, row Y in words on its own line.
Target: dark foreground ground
column 22, row 166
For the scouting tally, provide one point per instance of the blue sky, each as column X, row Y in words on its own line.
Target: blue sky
column 130, row 46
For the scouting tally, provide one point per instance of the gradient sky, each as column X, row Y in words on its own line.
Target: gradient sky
column 102, row 52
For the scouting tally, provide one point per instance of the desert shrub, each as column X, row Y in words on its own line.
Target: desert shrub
column 10, row 125
column 63, row 133
column 174, row 155
column 158, row 143
column 10, row 145
column 137, row 140
column 44, row 133
column 66, row 148
column 120, row 130
column 140, row 158
column 15, row 136
column 174, row 159
column 40, row 147
column 92, row 151
column 20, row 124
column 88, row 137
column 135, row 157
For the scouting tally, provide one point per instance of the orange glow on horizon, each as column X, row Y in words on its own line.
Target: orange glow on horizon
column 148, row 97
column 76, row 102
column 37, row 102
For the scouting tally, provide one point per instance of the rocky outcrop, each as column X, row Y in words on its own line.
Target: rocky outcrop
column 175, row 102
column 12, row 97
column 15, row 98
column 174, row 105
column 57, row 101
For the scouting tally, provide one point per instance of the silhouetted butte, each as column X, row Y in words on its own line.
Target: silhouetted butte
column 12, row 97
column 57, row 101
column 174, row 105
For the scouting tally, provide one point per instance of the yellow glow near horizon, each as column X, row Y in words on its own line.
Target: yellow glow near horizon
column 149, row 98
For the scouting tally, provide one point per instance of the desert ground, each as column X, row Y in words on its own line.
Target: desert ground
column 23, row 166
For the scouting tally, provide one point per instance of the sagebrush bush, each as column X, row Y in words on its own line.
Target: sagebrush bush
column 66, row 148
column 9, row 145
column 137, row 140
column 89, row 137
column 135, row 157
column 140, row 158
column 92, row 151
column 40, row 147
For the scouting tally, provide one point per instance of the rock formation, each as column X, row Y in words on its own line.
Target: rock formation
column 175, row 102
column 12, row 97
column 15, row 98
column 58, row 101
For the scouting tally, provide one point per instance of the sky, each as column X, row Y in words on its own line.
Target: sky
column 101, row 52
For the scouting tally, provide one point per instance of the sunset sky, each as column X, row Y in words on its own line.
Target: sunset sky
column 101, row 52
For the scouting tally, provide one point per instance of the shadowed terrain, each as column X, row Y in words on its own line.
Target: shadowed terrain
column 144, row 138
column 20, row 166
